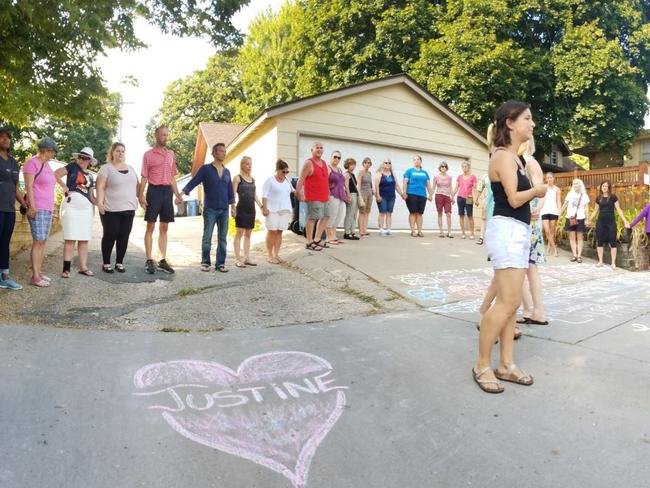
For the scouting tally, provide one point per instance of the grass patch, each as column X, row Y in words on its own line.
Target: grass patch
column 370, row 300
column 186, row 292
column 174, row 329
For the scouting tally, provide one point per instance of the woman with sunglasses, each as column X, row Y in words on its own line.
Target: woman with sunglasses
column 367, row 192
column 276, row 207
column 77, row 209
column 442, row 191
column 387, row 186
column 352, row 207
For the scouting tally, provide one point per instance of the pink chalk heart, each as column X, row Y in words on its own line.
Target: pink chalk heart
column 274, row 410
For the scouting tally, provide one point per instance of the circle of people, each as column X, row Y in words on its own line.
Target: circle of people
column 332, row 194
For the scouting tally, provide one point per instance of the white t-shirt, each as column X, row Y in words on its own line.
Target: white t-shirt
column 550, row 202
column 572, row 208
column 278, row 195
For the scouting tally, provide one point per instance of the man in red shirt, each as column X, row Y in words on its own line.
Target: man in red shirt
column 313, row 188
column 159, row 170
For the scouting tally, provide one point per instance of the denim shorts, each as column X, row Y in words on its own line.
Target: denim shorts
column 386, row 205
column 507, row 242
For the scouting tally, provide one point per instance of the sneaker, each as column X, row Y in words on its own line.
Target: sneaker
column 347, row 236
column 164, row 266
column 354, row 237
column 10, row 284
column 149, row 267
column 382, row 232
column 388, row 232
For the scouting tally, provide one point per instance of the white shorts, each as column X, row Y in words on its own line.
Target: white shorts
column 507, row 242
column 278, row 220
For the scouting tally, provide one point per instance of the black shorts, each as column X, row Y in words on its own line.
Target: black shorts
column 581, row 227
column 606, row 233
column 160, row 203
column 549, row 217
column 416, row 204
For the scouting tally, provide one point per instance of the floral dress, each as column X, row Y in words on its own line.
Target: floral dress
column 537, row 255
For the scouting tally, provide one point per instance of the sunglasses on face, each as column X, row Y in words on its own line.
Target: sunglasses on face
column 336, row 157
column 84, row 158
column 285, row 172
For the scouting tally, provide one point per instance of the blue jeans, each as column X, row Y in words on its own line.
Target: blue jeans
column 210, row 218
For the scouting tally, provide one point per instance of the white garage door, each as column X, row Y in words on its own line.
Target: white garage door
column 402, row 160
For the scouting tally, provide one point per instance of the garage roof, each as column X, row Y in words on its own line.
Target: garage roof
column 402, row 78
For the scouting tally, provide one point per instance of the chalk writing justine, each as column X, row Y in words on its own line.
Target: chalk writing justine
column 230, row 398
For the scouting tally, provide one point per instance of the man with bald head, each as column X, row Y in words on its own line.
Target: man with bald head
column 313, row 188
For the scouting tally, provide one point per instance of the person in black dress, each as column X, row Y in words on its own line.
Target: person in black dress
column 606, row 231
column 244, row 188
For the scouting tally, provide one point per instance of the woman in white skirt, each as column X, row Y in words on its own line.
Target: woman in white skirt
column 276, row 207
column 507, row 240
column 77, row 209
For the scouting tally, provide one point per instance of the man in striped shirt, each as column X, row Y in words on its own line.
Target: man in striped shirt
column 159, row 170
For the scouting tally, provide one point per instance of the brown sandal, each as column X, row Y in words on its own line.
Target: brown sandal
column 524, row 379
column 482, row 383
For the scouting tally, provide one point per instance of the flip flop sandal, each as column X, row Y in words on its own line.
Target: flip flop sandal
column 205, row 267
column 524, row 320
column 65, row 274
column 480, row 241
column 250, row 263
column 312, row 246
column 482, row 383
column 450, row 236
column 518, row 335
column 222, row 269
column 321, row 244
column 420, row 234
column 442, row 235
column 40, row 283
column 537, row 322
column 413, row 234
column 86, row 272
column 239, row 264
column 525, row 379
column 579, row 260
column 573, row 259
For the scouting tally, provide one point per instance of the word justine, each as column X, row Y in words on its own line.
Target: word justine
column 237, row 397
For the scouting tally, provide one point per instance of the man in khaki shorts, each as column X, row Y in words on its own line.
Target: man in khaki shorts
column 313, row 188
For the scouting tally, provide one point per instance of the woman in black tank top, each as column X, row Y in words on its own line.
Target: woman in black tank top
column 508, row 243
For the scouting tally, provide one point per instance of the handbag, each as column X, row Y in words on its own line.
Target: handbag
column 469, row 200
column 361, row 202
column 573, row 221
column 23, row 208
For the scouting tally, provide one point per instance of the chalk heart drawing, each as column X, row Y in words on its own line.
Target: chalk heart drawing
column 274, row 410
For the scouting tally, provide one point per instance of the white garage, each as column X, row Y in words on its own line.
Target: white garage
column 391, row 117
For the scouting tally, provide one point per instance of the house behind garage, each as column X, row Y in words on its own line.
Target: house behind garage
column 391, row 117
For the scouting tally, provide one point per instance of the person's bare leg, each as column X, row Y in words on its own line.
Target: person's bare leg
column 613, row 251
column 162, row 239
column 535, row 283
column 82, row 251
column 68, row 250
column 236, row 244
column 148, row 239
column 461, row 219
column 572, row 242
column 247, row 244
column 389, row 220
column 440, row 222
column 499, row 319
column 553, row 228
column 449, row 223
column 600, row 252
column 270, row 245
column 412, row 222
column 278, row 244
column 471, row 226
column 36, row 257
column 527, row 299
column 483, row 226
column 320, row 227
column 309, row 230
column 580, row 243
column 418, row 222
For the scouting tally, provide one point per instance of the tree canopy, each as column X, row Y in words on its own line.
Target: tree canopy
column 49, row 48
column 583, row 66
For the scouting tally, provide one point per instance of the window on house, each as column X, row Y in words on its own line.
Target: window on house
column 554, row 159
column 645, row 151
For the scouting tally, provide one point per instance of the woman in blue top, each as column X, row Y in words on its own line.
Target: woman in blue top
column 386, row 185
column 417, row 187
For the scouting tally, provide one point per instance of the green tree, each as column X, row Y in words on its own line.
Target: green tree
column 49, row 48
column 211, row 94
